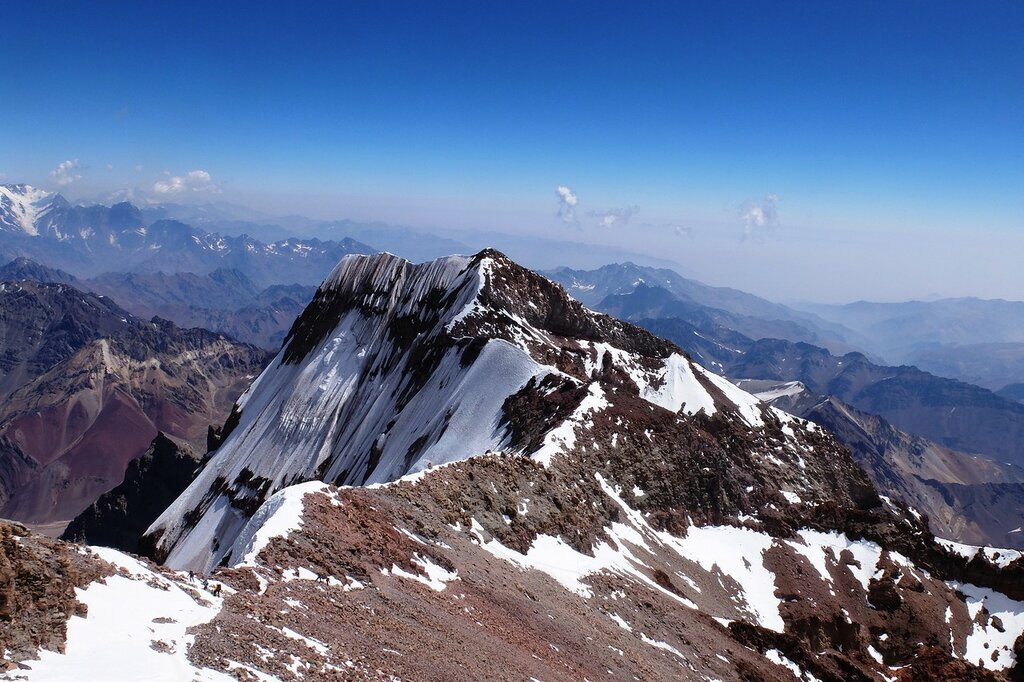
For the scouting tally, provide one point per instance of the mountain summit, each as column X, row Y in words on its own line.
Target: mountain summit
column 394, row 368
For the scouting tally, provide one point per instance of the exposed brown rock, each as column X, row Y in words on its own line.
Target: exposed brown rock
column 38, row 577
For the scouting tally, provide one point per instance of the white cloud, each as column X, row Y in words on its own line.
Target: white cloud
column 110, row 166
column 759, row 217
column 567, row 202
column 615, row 217
column 683, row 230
column 66, row 172
column 193, row 181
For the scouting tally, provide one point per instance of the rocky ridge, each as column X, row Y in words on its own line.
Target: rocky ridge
column 964, row 497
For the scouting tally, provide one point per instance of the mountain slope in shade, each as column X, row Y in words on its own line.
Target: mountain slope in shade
column 957, row 415
column 86, row 386
column 1012, row 392
column 224, row 300
column 27, row 270
column 151, row 482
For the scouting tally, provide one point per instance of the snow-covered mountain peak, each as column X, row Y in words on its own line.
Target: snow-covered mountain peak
column 401, row 294
column 396, row 367
column 21, row 206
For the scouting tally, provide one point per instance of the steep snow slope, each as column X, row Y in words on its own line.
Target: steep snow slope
column 396, row 367
column 21, row 206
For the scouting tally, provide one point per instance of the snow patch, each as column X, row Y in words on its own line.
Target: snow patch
column 128, row 616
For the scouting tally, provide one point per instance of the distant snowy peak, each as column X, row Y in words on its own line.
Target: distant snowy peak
column 22, row 206
column 396, row 367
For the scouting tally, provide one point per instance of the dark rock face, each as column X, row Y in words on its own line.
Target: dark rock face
column 120, row 517
column 26, row 270
column 546, row 306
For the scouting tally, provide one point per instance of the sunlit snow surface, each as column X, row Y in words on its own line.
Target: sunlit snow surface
column 127, row 617
column 277, row 517
column 998, row 556
column 26, row 207
column 984, row 641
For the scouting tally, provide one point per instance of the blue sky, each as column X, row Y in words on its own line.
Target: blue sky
column 728, row 130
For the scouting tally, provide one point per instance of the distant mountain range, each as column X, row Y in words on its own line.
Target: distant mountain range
column 659, row 292
column 976, row 340
column 89, row 240
column 85, row 386
column 958, row 415
column 224, row 300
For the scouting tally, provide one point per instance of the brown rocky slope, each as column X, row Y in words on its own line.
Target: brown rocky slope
column 84, row 388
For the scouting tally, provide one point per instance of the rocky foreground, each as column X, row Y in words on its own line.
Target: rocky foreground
column 502, row 568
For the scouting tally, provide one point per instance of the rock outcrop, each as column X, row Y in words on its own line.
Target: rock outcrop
column 120, row 517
